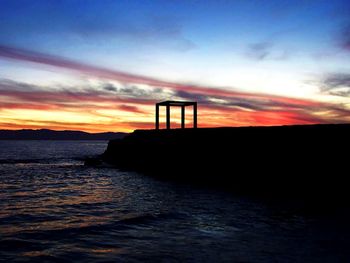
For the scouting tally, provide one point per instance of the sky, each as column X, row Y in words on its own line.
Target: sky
column 101, row 65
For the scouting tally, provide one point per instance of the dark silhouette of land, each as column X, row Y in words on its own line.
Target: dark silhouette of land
column 45, row 134
column 305, row 160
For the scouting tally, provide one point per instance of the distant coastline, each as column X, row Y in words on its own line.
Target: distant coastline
column 45, row 134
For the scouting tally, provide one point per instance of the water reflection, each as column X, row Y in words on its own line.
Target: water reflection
column 59, row 212
column 76, row 200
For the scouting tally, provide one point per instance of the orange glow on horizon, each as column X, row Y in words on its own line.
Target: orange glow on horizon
column 101, row 110
column 207, row 117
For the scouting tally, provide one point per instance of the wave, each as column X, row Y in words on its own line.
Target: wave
column 143, row 220
column 14, row 244
column 25, row 217
column 42, row 160
column 151, row 218
column 24, row 161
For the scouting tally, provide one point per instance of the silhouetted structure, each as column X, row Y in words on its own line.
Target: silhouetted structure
column 181, row 104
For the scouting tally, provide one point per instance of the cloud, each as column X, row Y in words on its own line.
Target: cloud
column 259, row 51
column 124, row 77
column 110, row 87
column 220, row 102
column 213, row 110
column 200, row 98
column 265, row 51
column 345, row 38
column 251, row 103
column 337, row 84
column 130, row 108
column 90, row 70
column 122, row 91
column 139, row 125
column 18, row 95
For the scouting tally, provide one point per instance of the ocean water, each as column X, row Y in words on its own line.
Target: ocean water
column 53, row 209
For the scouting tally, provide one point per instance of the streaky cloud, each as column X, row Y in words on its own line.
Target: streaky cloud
column 226, row 107
column 337, row 84
column 230, row 111
column 261, row 51
column 100, row 72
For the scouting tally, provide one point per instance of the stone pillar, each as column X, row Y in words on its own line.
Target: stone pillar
column 182, row 117
column 157, row 116
column 195, row 115
column 168, row 116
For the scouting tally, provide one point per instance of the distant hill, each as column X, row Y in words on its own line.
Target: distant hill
column 45, row 134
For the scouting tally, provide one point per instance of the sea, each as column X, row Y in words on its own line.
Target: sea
column 55, row 209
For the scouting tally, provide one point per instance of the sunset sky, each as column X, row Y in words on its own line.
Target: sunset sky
column 101, row 65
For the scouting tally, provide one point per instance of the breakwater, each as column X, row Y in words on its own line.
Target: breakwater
column 300, row 160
